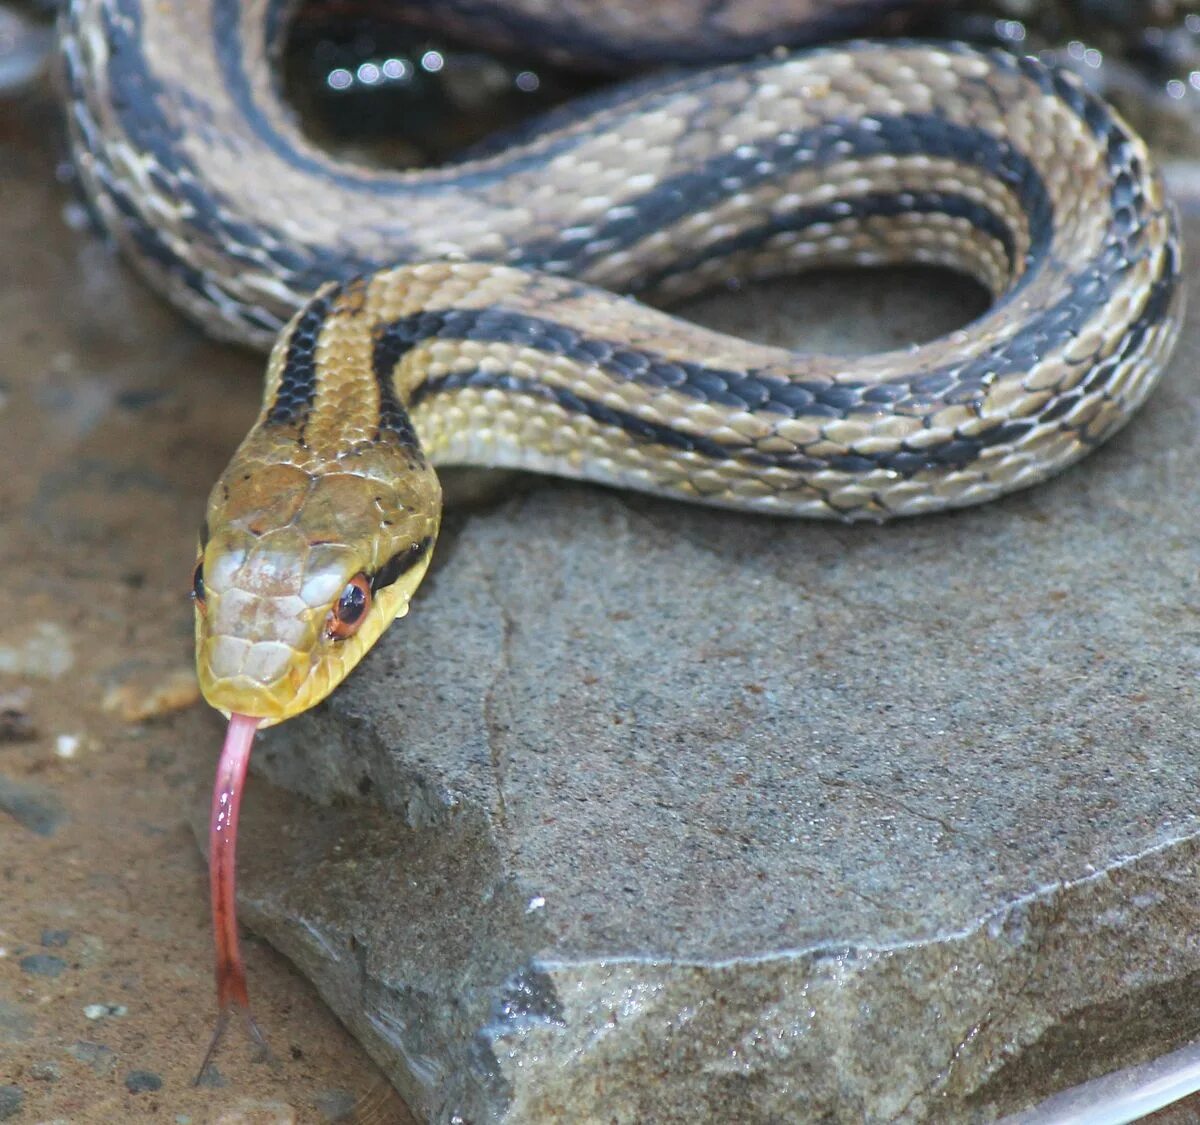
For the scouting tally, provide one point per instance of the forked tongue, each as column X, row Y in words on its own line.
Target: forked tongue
column 232, row 997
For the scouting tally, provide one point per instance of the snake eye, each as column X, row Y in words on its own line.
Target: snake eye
column 351, row 608
column 198, row 584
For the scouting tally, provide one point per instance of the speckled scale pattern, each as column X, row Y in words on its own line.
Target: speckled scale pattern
column 471, row 313
column 666, row 187
column 294, row 395
column 487, row 364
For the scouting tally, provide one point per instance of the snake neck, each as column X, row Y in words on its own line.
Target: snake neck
column 333, row 411
column 361, row 364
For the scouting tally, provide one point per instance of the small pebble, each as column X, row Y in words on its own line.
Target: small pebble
column 105, row 1011
column 43, row 965
column 11, row 1100
column 43, row 650
column 45, row 1071
column 55, row 939
column 100, row 1058
column 15, row 1024
column 67, row 745
column 143, row 697
column 16, row 724
column 142, row 1081
column 35, row 808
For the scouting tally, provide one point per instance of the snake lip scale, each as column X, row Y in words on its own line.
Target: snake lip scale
column 481, row 313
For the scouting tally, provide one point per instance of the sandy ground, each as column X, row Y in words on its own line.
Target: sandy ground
column 115, row 418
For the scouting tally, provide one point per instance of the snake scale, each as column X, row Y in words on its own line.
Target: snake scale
column 469, row 314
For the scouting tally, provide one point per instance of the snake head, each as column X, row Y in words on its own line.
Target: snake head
column 301, row 568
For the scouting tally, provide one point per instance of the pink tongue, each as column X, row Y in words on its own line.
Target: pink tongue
column 222, row 867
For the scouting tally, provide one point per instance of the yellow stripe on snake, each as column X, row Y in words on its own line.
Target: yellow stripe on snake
column 466, row 315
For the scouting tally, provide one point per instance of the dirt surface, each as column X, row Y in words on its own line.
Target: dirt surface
column 116, row 417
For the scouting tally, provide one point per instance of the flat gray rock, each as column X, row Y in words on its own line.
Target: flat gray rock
column 652, row 813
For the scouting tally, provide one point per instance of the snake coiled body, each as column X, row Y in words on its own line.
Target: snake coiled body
column 467, row 314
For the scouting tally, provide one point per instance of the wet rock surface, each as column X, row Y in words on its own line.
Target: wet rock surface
column 650, row 812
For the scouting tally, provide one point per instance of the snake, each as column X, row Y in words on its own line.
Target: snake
column 506, row 310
